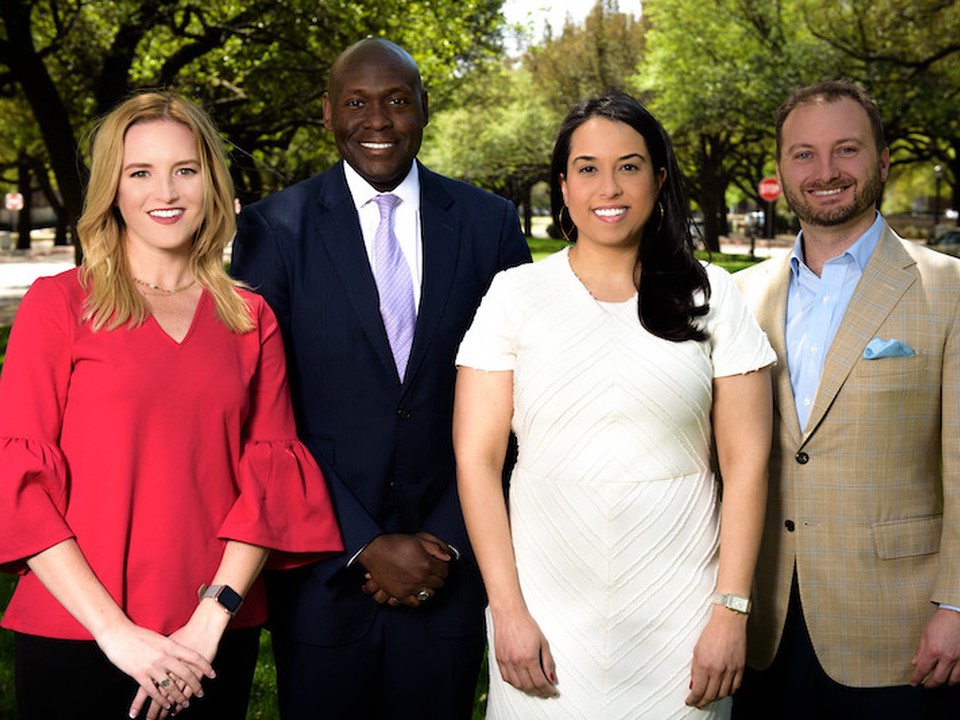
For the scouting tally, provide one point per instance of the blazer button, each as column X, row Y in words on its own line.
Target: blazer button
column 789, row 525
column 403, row 414
column 802, row 458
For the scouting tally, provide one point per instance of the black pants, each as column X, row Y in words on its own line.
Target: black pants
column 74, row 679
column 795, row 687
column 400, row 670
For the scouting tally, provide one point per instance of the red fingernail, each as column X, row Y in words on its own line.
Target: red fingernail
column 691, row 684
column 553, row 678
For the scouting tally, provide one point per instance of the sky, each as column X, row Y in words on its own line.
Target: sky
column 539, row 12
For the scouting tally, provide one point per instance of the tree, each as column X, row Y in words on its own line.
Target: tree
column 588, row 60
column 717, row 87
column 907, row 54
column 500, row 130
column 716, row 90
column 498, row 135
column 257, row 65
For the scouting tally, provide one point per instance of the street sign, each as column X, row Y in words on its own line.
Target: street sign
column 13, row 201
column 769, row 189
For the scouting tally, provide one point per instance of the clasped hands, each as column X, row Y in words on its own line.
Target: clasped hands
column 171, row 670
column 402, row 569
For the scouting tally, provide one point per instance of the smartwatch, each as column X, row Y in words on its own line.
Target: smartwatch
column 228, row 598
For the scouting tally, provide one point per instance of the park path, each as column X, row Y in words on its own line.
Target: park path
column 19, row 268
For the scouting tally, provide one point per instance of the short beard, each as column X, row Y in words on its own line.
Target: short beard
column 864, row 199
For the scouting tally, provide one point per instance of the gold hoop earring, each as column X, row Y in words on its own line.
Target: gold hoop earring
column 563, row 230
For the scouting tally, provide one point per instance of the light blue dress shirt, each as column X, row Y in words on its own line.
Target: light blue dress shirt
column 815, row 308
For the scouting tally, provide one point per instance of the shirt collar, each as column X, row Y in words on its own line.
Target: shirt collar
column 860, row 251
column 363, row 192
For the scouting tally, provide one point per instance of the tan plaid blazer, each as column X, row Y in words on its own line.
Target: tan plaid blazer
column 865, row 501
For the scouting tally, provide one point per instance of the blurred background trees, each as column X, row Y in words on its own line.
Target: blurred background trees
column 713, row 72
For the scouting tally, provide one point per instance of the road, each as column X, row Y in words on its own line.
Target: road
column 19, row 268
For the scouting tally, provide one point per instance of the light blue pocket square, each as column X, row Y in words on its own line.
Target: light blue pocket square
column 877, row 349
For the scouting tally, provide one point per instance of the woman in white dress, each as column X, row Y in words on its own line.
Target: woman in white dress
column 618, row 584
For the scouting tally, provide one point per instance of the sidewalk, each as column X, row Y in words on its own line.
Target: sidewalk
column 19, row 268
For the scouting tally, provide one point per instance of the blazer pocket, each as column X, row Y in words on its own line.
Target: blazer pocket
column 907, row 538
column 903, row 367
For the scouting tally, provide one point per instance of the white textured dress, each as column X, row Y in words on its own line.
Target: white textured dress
column 613, row 504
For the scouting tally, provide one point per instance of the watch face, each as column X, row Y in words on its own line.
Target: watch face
column 738, row 603
column 229, row 598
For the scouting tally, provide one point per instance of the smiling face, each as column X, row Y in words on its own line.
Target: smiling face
column 377, row 109
column 160, row 194
column 610, row 185
column 829, row 167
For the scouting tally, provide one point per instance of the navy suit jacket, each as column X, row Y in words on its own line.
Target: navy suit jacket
column 385, row 447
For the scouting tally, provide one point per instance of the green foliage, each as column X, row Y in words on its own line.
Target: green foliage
column 499, row 131
column 498, row 135
column 258, row 66
column 8, row 706
column 263, row 694
column 541, row 247
column 588, row 60
column 716, row 78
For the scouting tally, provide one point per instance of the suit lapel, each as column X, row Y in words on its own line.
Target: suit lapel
column 338, row 229
column 772, row 315
column 887, row 276
column 440, row 229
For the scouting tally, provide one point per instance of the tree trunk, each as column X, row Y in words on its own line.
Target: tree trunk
column 62, row 237
column 527, row 210
column 27, row 66
column 23, row 187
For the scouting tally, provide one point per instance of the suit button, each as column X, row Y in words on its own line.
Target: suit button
column 802, row 458
column 403, row 414
column 789, row 525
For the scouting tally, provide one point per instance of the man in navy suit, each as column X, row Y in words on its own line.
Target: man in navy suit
column 394, row 626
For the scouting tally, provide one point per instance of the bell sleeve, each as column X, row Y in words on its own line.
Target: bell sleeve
column 34, row 480
column 284, row 503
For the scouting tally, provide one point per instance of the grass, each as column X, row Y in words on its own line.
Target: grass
column 263, row 702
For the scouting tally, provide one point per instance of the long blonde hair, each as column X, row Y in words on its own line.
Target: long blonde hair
column 113, row 299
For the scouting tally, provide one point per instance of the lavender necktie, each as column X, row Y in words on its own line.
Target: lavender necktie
column 394, row 285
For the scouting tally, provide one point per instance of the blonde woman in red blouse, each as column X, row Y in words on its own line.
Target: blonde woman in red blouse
column 148, row 452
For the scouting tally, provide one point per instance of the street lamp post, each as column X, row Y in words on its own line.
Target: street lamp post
column 937, row 175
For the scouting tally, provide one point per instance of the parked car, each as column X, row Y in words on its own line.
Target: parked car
column 948, row 243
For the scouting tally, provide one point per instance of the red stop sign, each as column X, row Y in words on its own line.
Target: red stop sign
column 13, row 201
column 769, row 189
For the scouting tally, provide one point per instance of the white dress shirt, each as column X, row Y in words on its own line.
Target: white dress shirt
column 406, row 219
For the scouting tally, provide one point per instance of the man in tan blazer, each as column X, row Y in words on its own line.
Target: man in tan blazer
column 856, row 611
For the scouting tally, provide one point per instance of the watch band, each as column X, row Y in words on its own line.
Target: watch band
column 228, row 598
column 737, row 603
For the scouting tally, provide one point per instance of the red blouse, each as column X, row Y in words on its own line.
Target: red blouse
column 151, row 453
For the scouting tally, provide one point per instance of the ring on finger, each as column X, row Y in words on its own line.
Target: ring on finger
column 423, row 595
column 164, row 683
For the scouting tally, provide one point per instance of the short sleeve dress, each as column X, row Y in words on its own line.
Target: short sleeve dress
column 613, row 505
column 151, row 454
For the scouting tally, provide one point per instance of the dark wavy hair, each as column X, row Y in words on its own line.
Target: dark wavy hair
column 668, row 274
